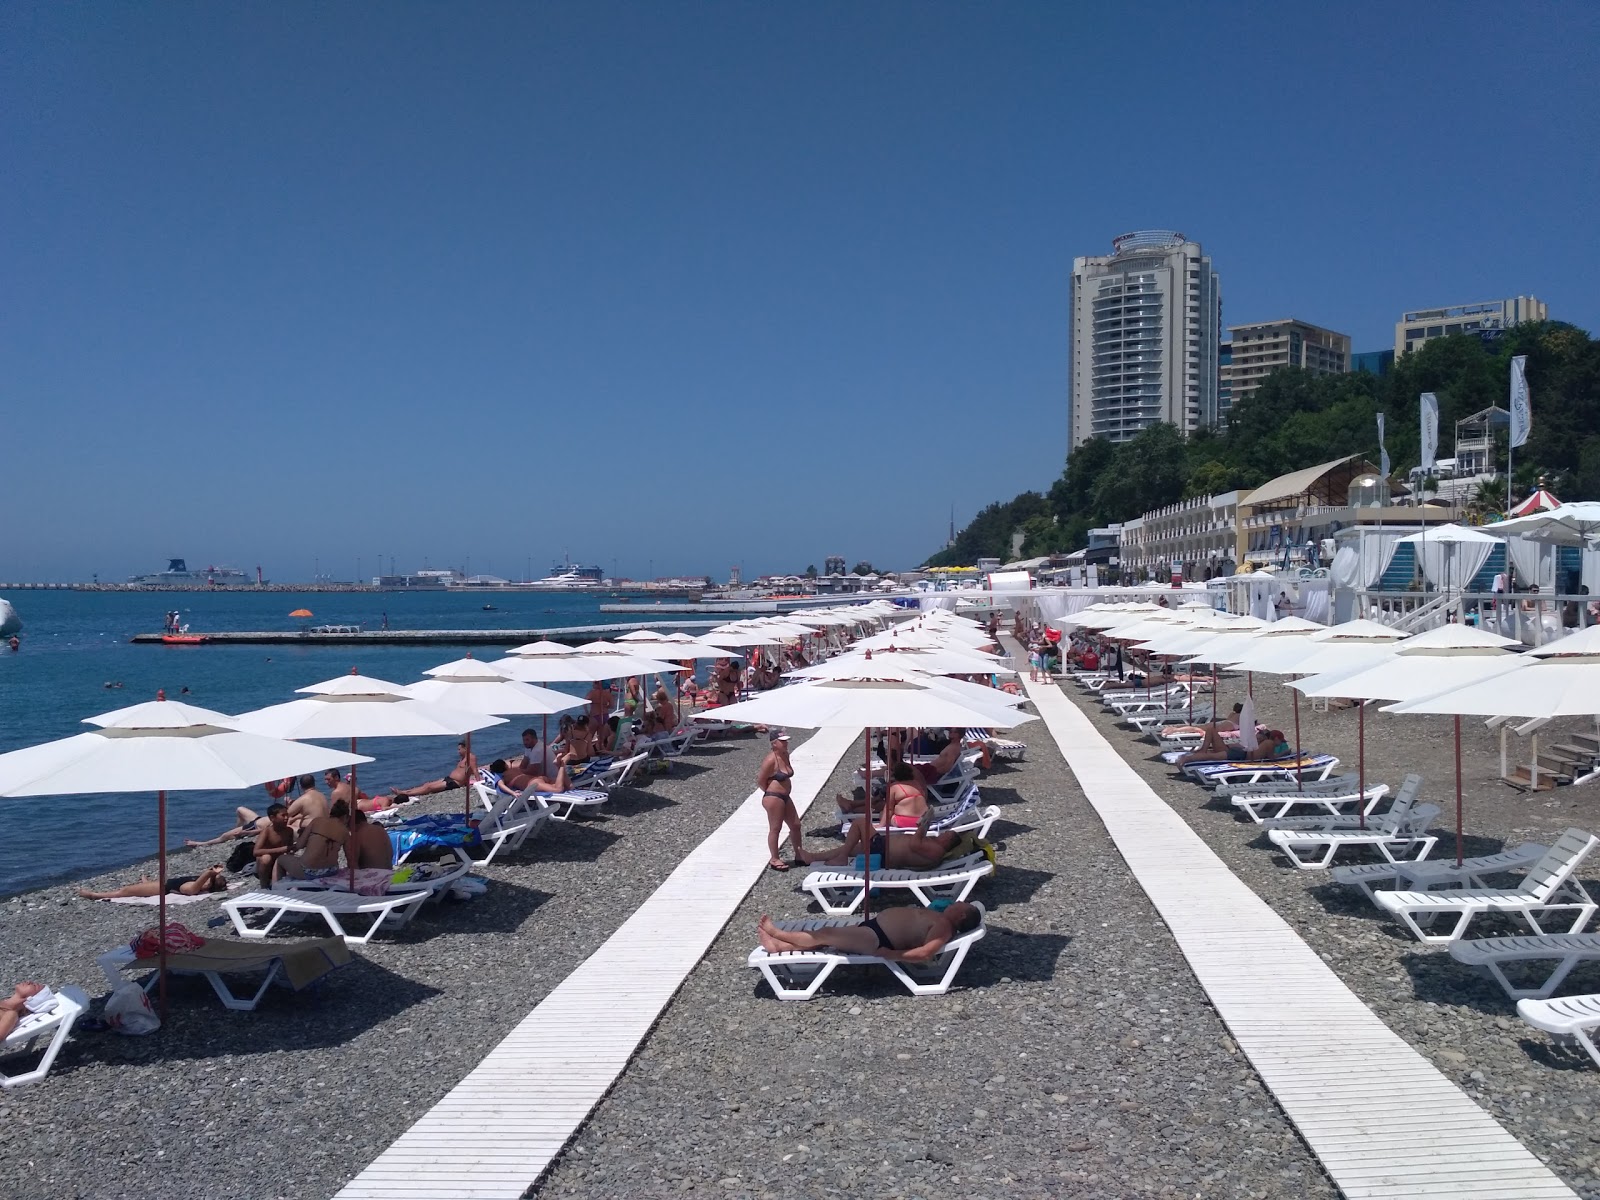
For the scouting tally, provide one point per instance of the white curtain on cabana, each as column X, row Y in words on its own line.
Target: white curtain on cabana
column 1589, row 570
column 929, row 601
column 1451, row 554
column 1361, row 565
column 1052, row 604
column 1533, row 561
column 1317, row 596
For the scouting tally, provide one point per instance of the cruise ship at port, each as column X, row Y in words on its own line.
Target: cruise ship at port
column 179, row 575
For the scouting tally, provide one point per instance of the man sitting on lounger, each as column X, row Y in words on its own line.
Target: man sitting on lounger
column 534, row 762
column 906, row 934
column 274, row 840
column 212, row 879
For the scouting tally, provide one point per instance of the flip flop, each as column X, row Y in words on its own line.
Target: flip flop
column 777, row 866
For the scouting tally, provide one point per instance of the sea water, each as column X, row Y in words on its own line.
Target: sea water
column 76, row 643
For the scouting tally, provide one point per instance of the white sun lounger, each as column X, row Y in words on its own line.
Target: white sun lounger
column 511, row 820
column 266, row 961
column 669, row 745
column 1566, row 950
column 1227, row 774
column 1003, row 748
column 392, row 909
column 614, row 775
column 1279, row 787
column 1437, row 874
column 1313, row 849
column 1335, row 810
column 561, row 805
column 798, row 974
column 55, row 1022
column 1567, row 1016
column 839, row 890
column 1548, row 888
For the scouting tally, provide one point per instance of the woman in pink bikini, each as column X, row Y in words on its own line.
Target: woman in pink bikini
column 907, row 802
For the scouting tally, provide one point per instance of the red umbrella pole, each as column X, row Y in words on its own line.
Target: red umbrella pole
column 466, row 805
column 1361, row 761
column 161, row 917
column 866, row 851
column 1458, row 790
column 1299, row 768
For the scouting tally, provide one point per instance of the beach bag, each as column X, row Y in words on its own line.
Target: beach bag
column 128, row 1011
column 244, row 855
column 180, row 939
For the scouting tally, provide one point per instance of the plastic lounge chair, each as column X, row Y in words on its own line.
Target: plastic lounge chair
column 561, row 805
column 391, row 909
column 1334, row 810
column 1438, row 874
column 1568, row 950
column 1279, row 787
column 1569, row 1016
column 55, row 1022
column 839, row 890
column 294, row 965
column 1312, row 766
column 1313, row 849
column 668, row 745
column 1004, row 748
column 510, row 820
column 611, row 774
column 1548, row 888
column 798, row 974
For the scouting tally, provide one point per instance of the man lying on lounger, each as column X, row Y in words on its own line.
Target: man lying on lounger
column 906, row 934
column 916, row 851
column 1269, row 745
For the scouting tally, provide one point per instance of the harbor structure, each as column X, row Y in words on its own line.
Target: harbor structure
column 1146, row 324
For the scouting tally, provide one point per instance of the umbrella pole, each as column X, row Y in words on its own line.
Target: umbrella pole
column 350, row 821
column 1458, row 790
column 1299, row 768
column 161, row 917
column 866, row 851
column 1361, row 761
column 1250, row 683
column 466, row 804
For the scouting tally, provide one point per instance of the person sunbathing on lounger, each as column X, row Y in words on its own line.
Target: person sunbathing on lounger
column 15, row 1006
column 918, row 851
column 212, row 879
column 460, row 775
column 906, row 934
column 1269, row 744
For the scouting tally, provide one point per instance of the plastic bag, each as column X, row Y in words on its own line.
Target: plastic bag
column 128, row 1011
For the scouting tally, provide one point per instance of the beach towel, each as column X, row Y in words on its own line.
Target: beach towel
column 178, row 897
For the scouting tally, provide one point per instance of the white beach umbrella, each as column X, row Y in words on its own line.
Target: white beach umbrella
column 1559, row 679
column 644, row 635
column 1444, row 658
column 161, row 746
column 1574, row 524
column 852, row 667
column 356, row 706
column 942, row 662
column 478, row 686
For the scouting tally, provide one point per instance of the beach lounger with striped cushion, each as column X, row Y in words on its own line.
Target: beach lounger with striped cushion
column 606, row 774
column 1566, row 1016
column 1436, row 874
column 1313, row 849
column 1330, row 810
column 1006, row 748
column 797, row 974
column 390, row 910
column 54, row 1020
column 839, row 890
column 1549, row 888
column 510, row 820
column 1565, row 950
column 294, row 965
column 1224, row 774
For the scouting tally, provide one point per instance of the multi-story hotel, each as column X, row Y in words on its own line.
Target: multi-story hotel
column 1261, row 348
column 1425, row 324
column 1146, row 322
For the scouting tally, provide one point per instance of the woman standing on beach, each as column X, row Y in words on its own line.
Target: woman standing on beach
column 775, row 781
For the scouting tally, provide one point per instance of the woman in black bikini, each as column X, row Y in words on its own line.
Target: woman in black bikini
column 212, row 879
column 773, row 780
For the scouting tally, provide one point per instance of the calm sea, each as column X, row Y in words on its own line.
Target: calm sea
column 74, row 643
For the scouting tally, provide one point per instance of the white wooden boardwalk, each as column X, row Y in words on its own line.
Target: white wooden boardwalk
column 1383, row 1120
column 497, row 1130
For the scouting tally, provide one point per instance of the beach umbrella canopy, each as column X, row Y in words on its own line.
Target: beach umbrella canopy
column 1561, row 679
column 161, row 746
column 1340, row 646
column 1572, row 524
column 865, row 703
column 478, row 686
column 301, row 612
column 358, row 706
column 643, row 635
column 850, row 667
column 941, row 662
column 1541, row 500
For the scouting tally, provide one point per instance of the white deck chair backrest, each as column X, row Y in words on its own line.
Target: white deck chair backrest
column 1405, row 799
column 1562, row 859
column 497, row 802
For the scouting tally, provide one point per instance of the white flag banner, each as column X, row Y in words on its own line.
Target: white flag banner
column 1383, row 453
column 1521, row 406
column 1430, row 430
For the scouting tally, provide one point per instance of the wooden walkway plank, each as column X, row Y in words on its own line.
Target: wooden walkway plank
column 549, row 1072
column 1384, row 1121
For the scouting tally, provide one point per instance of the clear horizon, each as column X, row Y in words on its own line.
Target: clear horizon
column 670, row 289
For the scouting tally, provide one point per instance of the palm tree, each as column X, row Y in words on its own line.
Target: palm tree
column 1488, row 500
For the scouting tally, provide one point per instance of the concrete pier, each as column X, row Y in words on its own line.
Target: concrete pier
column 572, row 634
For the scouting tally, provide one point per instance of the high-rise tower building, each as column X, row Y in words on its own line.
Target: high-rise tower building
column 1261, row 348
column 1146, row 321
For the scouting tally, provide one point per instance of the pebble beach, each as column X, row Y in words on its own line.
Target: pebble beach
column 1076, row 1054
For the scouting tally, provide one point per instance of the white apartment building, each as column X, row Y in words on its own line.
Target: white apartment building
column 1146, row 323
column 1425, row 324
column 1261, row 348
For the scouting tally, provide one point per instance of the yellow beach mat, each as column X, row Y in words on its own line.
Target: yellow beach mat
column 304, row 962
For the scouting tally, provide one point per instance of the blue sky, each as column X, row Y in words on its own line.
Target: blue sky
column 684, row 285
